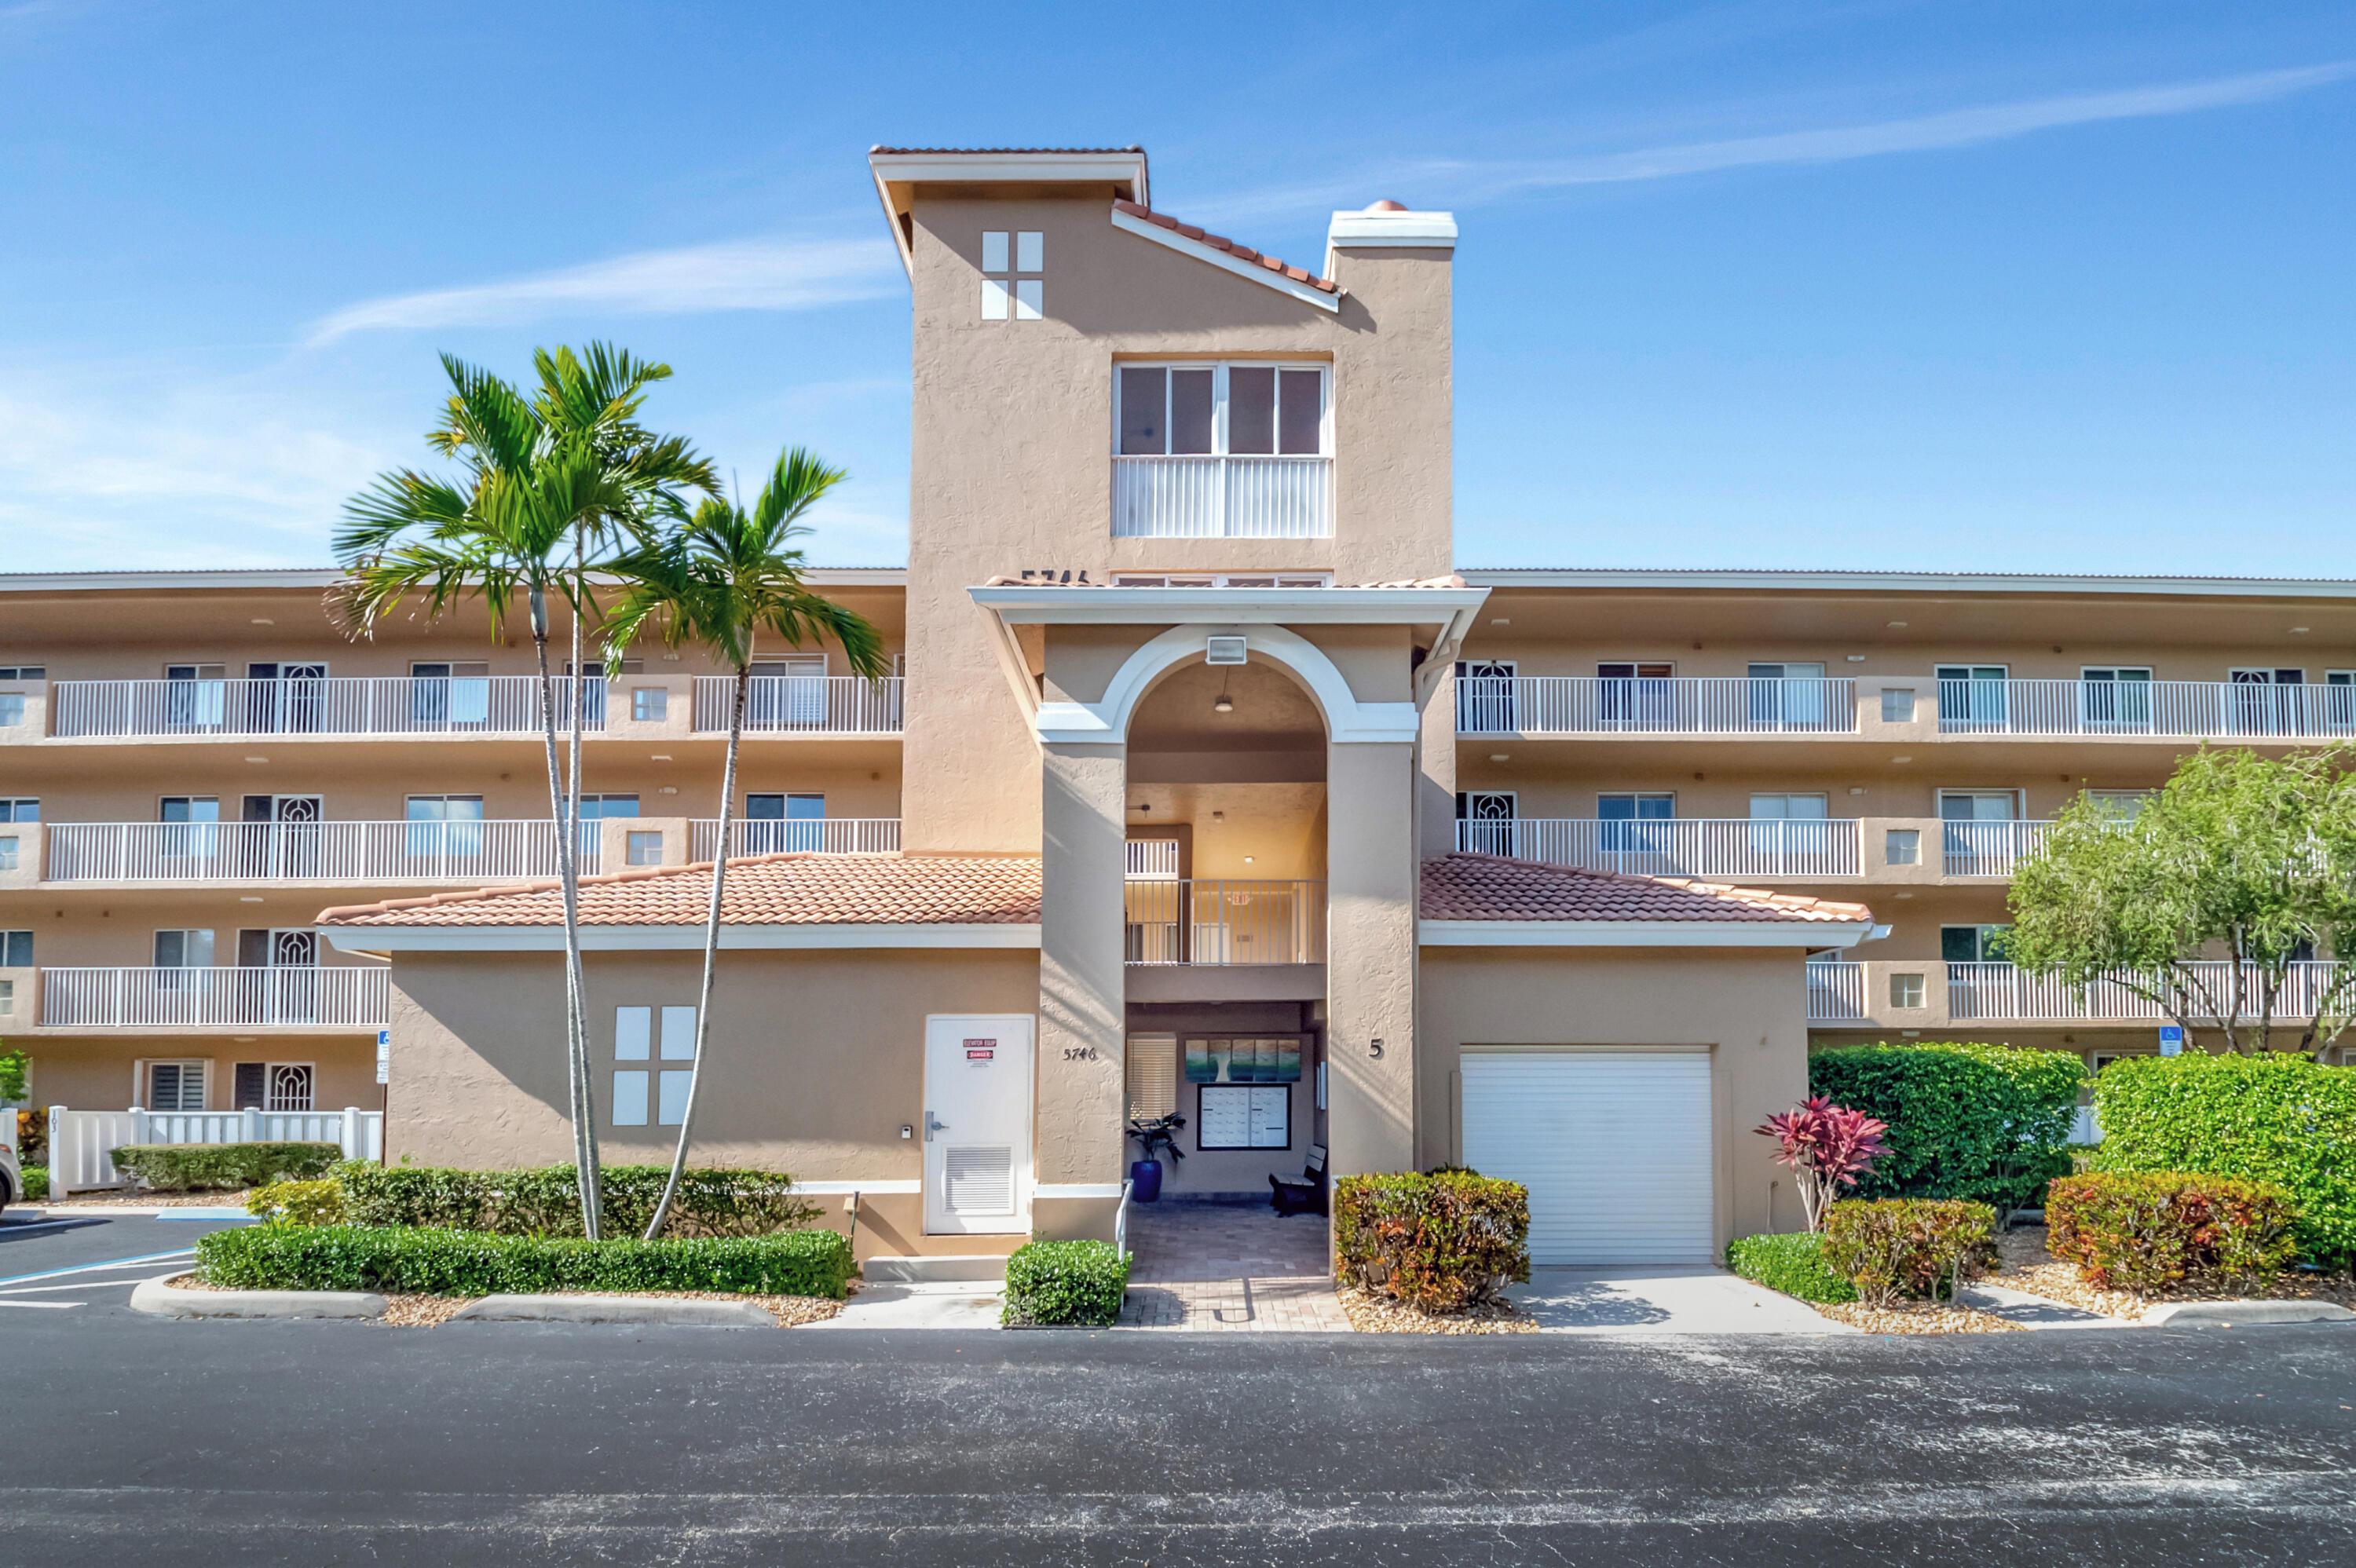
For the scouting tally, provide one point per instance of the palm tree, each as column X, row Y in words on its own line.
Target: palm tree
column 719, row 579
column 569, row 475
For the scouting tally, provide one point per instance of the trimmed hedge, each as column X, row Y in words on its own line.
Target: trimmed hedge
column 191, row 1168
column 546, row 1200
column 1064, row 1285
column 1989, row 1124
column 1792, row 1264
column 36, row 1182
column 464, row 1263
column 1909, row 1246
column 2146, row 1232
column 298, row 1202
column 2279, row 1117
column 1441, row 1241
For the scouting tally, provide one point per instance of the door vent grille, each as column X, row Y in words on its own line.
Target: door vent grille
column 979, row 1179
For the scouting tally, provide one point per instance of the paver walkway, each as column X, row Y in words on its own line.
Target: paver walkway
column 1235, row 1267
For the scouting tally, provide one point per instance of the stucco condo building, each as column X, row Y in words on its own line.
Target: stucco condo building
column 1208, row 783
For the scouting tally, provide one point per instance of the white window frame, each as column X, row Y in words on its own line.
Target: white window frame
column 142, row 1080
column 1219, row 403
column 2018, row 798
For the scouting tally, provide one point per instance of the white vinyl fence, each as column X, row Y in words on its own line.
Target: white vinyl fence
column 82, row 1142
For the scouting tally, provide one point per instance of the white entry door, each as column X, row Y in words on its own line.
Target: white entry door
column 1613, row 1146
column 978, row 1099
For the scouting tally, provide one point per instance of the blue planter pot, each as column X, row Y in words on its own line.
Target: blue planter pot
column 1145, row 1181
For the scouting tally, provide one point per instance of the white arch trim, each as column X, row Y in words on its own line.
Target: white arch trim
column 1348, row 721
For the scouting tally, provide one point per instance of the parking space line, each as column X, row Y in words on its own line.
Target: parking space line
column 94, row 1268
column 76, row 1285
column 51, row 1305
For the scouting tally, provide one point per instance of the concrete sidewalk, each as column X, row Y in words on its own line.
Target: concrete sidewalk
column 1662, row 1299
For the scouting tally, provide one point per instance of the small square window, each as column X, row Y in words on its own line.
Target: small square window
column 1897, row 705
column 1902, row 846
column 1906, row 990
column 1029, row 252
column 1030, row 299
column 645, row 850
column 993, row 250
column 649, row 704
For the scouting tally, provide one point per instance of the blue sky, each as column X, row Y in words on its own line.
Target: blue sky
column 1958, row 286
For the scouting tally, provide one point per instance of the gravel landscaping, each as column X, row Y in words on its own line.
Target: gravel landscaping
column 428, row 1311
column 110, row 1199
column 1915, row 1317
column 2025, row 1265
column 1373, row 1314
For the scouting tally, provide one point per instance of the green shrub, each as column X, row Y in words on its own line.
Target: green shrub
column 1441, row 1242
column 1985, row 1123
column 546, row 1200
column 465, row 1262
column 36, row 1182
column 298, row 1202
column 1792, row 1264
column 1064, row 1285
column 2146, row 1232
column 196, row 1167
column 2279, row 1118
column 1909, row 1246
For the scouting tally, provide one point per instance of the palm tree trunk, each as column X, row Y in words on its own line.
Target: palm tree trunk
column 576, row 1061
column 710, row 949
column 593, row 1196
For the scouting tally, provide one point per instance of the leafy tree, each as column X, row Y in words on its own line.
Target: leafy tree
column 548, row 485
column 718, row 578
column 2209, row 900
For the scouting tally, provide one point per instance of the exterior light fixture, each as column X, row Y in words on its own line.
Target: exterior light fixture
column 1897, row 625
column 264, row 621
column 1223, row 703
column 1500, row 756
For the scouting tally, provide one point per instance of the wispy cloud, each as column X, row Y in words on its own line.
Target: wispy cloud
column 1469, row 182
column 749, row 275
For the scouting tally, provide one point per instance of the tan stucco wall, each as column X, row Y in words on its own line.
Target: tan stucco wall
column 1370, row 958
column 1743, row 1004
column 98, row 1071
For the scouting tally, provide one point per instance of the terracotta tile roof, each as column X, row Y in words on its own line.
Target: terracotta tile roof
column 762, row 889
column 1490, row 887
column 1220, row 242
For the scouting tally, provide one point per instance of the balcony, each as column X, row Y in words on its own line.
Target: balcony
column 1835, row 992
column 334, row 852
column 2174, row 709
column 1538, row 705
column 370, row 704
column 828, row 836
column 1205, row 921
column 1870, row 992
column 339, row 998
column 1988, row 849
column 1222, row 497
column 1689, row 847
column 801, row 704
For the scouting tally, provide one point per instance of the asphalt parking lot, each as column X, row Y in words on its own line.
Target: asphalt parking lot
column 61, row 1261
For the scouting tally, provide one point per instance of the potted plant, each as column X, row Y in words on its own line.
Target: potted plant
column 1152, row 1133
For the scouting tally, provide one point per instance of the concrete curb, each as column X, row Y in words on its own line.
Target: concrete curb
column 2232, row 1313
column 162, row 1300
column 973, row 1268
column 616, row 1309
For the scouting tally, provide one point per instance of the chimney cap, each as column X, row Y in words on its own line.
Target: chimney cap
column 1386, row 205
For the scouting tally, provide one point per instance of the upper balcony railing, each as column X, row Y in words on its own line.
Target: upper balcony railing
column 1681, row 705
column 1978, row 991
column 828, row 836
column 342, row 998
column 1988, row 849
column 2190, row 710
column 349, row 852
column 1682, row 846
column 1150, row 860
column 1222, row 497
column 1224, row 922
column 301, row 705
column 1835, row 991
column 808, row 704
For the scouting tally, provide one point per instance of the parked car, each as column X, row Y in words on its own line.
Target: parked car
column 12, row 1179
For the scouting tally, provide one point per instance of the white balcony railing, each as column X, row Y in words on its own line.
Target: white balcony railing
column 1222, row 497
column 1611, row 705
column 830, row 836
column 377, row 705
column 1835, row 992
column 342, row 998
column 1150, row 860
column 2189, row 709
column 814, row 704
column 1988, row 849
column 1686, row 847
column 2000, row 991
column 1220, row 922
column 307, row 852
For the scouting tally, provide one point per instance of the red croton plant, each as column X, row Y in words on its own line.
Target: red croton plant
column 1828, row 1147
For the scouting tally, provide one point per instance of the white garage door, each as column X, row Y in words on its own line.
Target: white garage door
column 1614, row 1148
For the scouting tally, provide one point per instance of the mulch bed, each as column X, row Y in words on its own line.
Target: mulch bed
column 428, row 1311
column 1373, row 1314
column 2025, row 1265
column 146, row 1200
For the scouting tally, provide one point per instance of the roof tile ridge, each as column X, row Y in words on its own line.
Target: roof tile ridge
column 436, row 901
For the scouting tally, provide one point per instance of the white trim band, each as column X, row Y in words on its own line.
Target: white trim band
column 1105, row 721
column 1640, row 933
column 671, row 938
column 1097, row 605
column 1421, row 231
